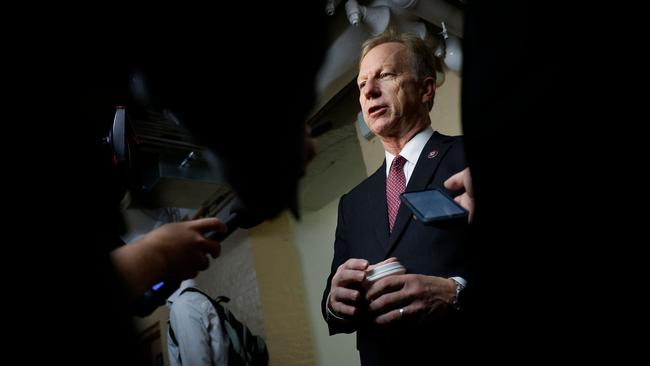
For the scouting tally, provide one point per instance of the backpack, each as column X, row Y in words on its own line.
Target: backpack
column 245, row 348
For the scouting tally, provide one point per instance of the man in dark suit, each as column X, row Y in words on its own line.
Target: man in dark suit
column 400, row 319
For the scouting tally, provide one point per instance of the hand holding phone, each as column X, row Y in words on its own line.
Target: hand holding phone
column 433, row 205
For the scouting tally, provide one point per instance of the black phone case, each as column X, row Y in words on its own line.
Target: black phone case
column 419, row 212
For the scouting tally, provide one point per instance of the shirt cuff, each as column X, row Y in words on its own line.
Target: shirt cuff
column 330, row 312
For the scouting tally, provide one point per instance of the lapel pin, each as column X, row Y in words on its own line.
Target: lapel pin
column 432, row 154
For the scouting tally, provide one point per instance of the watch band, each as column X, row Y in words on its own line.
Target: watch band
column 459, row 287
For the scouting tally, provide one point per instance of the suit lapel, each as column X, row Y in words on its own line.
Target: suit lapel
column 378, row 206
column 425, row 168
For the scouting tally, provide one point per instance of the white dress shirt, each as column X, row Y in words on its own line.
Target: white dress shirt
column 201, row 338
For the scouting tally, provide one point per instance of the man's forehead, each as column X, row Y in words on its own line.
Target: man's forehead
column 385, row 54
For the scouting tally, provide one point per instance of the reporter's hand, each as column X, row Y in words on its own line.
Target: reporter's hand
column 183, row 246
column 463, row 179
column 345, row 297
column 421, row 297
column 175, row 251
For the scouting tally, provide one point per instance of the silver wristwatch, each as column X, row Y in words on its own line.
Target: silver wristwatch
column 459, row 288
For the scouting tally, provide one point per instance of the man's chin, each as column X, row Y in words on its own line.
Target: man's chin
column 379, row 127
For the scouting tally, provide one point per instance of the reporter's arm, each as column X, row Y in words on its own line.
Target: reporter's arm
column 174, row 251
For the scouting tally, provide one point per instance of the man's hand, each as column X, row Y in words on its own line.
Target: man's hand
column 463, row 179
column 184, row 247
column 175, row 251
column 389, row 260
column 345, row 297
column 420, row 297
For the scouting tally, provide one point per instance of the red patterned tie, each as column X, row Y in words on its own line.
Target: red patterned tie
column 395, row 185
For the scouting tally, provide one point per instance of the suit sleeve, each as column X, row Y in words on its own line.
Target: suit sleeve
column 341, row 255
column 457, row 160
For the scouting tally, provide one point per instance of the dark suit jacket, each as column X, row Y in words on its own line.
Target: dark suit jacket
column 362, row 232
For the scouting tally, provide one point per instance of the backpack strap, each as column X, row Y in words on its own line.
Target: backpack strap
column 214, row 302
column 171, row 333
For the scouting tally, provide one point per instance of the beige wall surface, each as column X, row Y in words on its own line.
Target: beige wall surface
column 314, row 235
column 282, row 293
column 445, row 115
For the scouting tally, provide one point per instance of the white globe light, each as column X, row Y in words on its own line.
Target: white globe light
column 454, row 54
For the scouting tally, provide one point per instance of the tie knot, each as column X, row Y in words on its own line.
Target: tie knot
column 398, row 163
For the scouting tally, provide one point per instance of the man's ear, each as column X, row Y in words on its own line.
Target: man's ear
column 428, row 90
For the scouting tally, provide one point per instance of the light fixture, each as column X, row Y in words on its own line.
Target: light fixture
column 375, row 18
column 452, row 51
column 330, row 6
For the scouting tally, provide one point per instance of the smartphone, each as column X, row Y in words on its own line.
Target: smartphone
column 433, row 205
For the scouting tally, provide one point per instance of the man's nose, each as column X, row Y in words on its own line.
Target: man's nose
column 371, row 89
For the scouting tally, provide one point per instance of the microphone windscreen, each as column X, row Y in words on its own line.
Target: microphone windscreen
column 247, row 218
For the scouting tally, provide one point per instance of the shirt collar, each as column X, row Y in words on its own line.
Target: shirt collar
column 412, row 150
column 185, row 284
